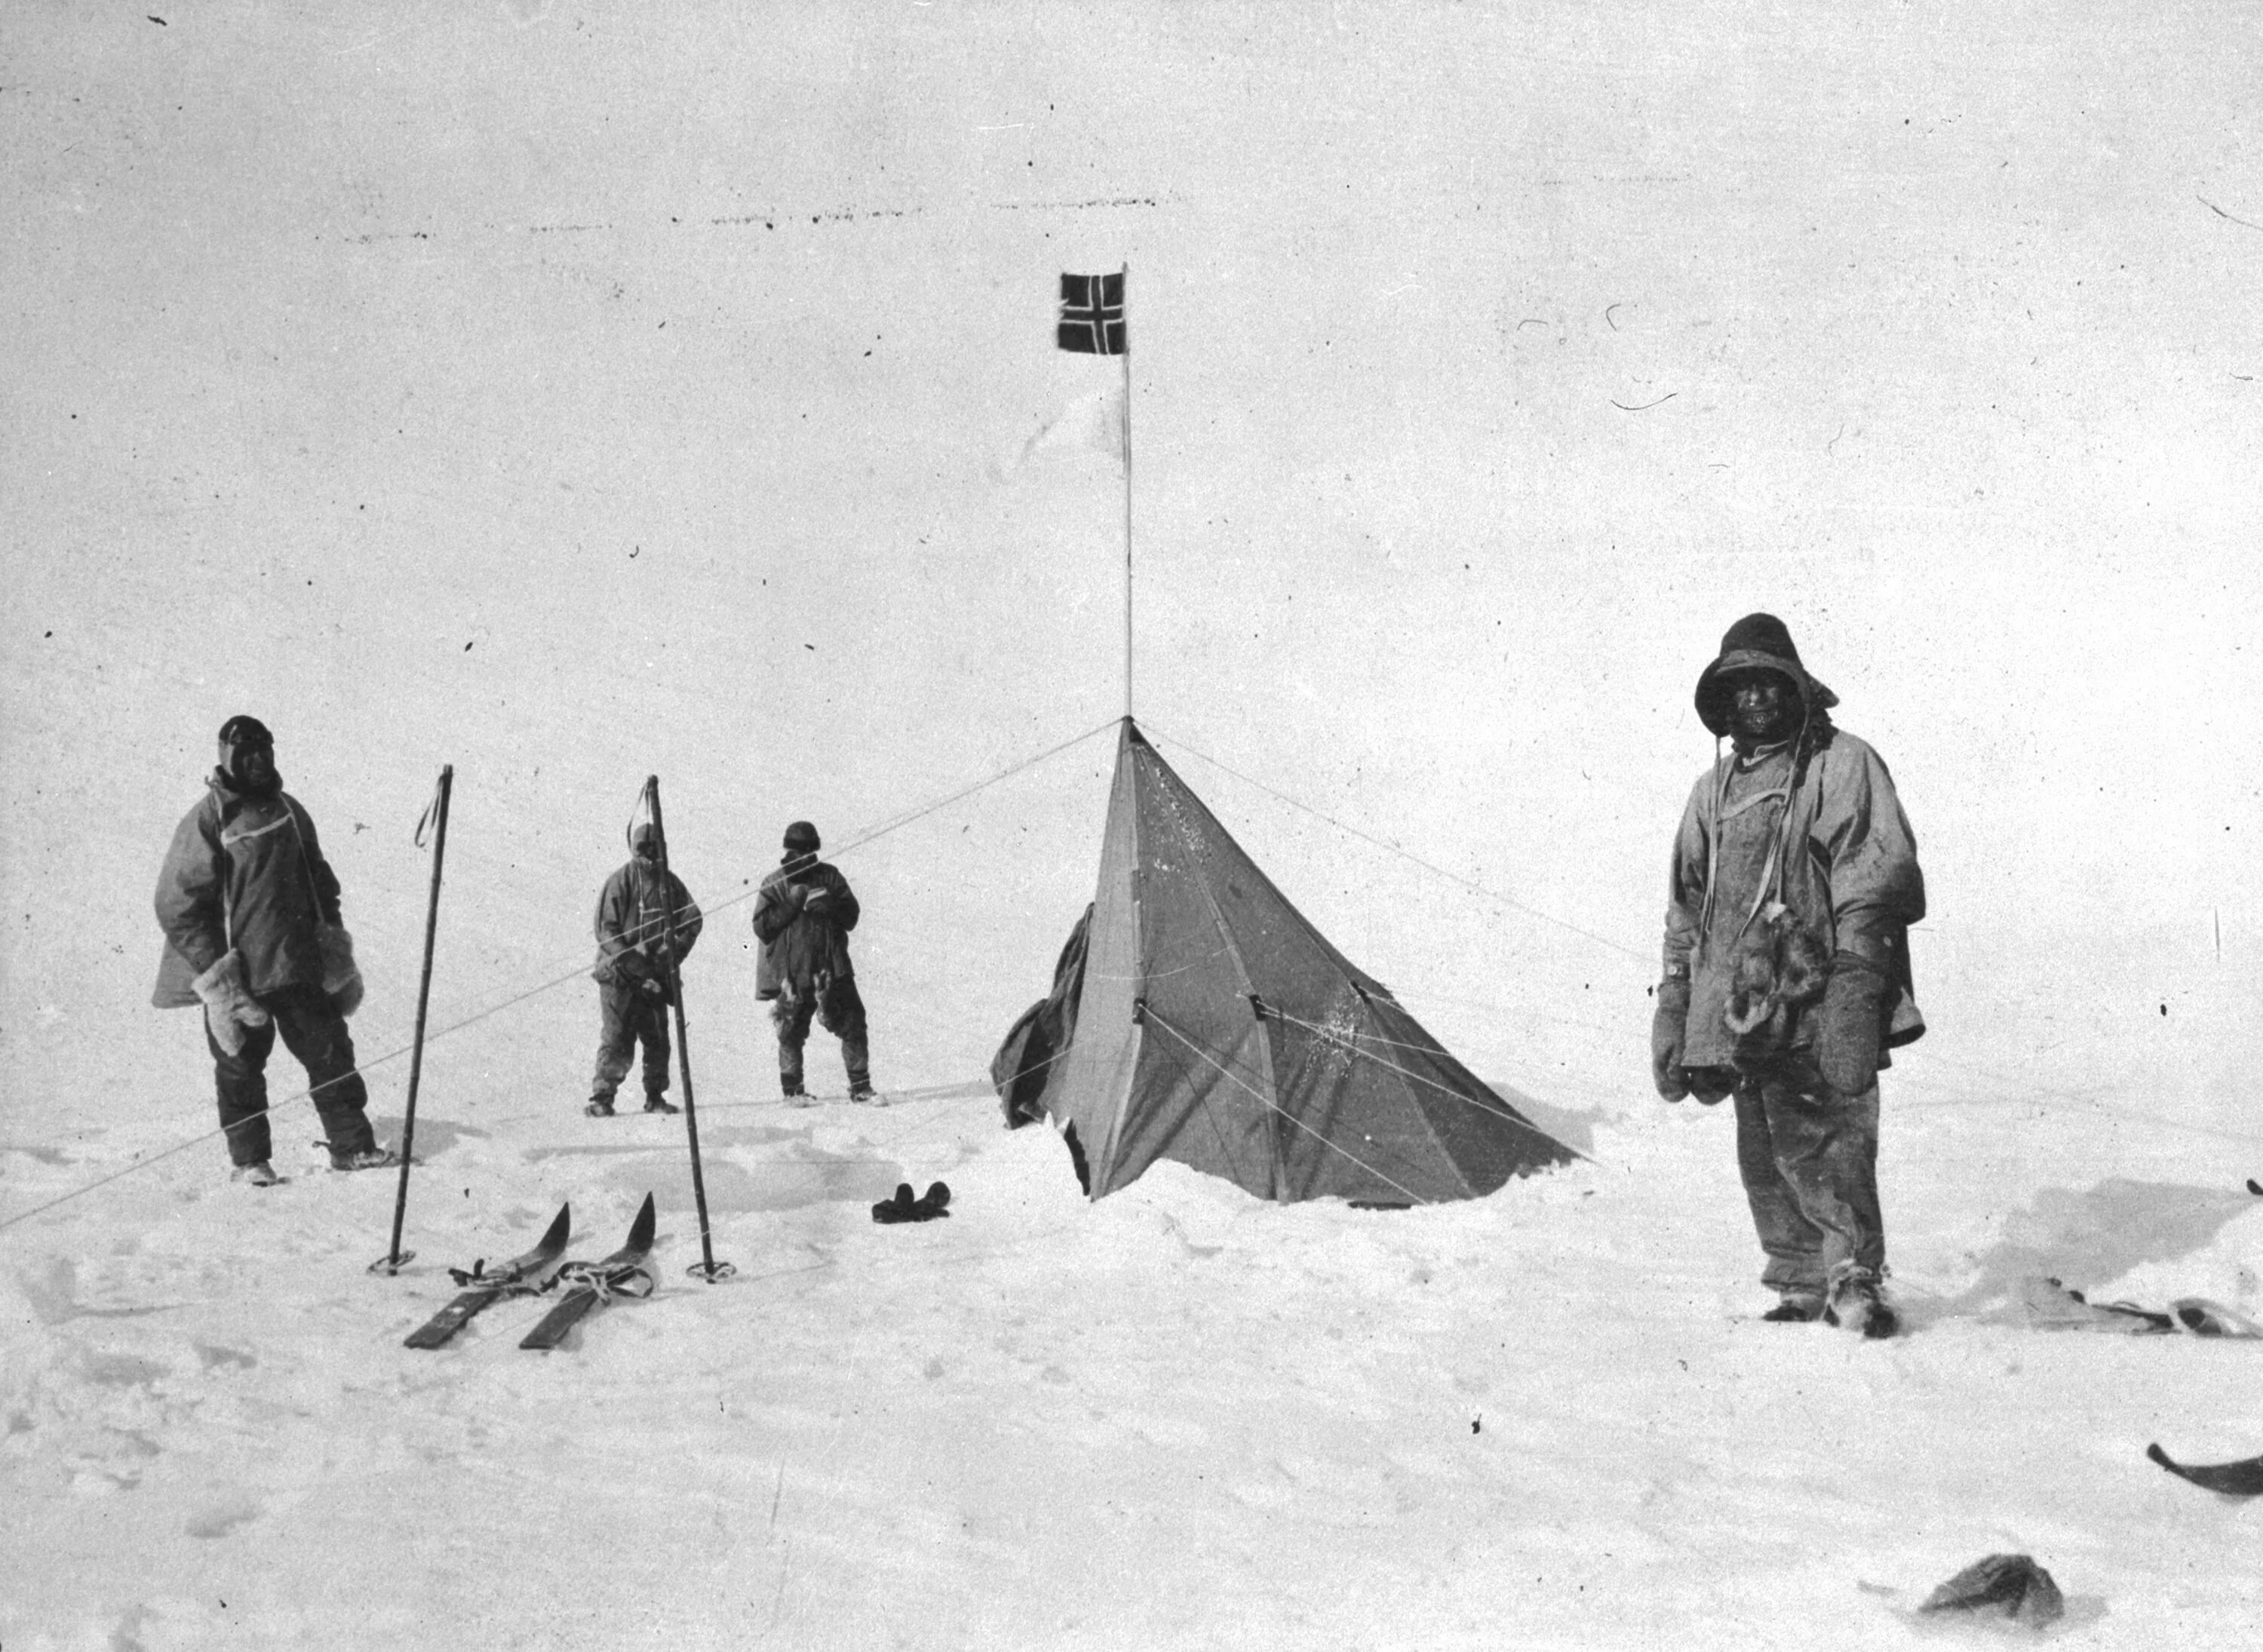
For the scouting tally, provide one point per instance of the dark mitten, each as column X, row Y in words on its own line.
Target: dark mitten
column 1668, row 1035
column 340, row 975
column 1850, row 1024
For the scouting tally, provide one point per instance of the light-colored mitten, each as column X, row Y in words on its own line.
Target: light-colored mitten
column 341, row 976
column 229, row 1007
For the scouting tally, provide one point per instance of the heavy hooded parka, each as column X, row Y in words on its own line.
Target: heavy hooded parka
column 1793, row 884
column 805, row 941
column 639, row 920
column 245, row 870
column 1792, row 860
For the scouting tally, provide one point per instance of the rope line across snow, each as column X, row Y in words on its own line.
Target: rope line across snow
column 580, row 968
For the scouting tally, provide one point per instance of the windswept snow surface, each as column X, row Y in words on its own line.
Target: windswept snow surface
column 1177, row 1417
column 573, row 393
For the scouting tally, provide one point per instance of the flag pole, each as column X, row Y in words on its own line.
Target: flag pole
column 1126, row 279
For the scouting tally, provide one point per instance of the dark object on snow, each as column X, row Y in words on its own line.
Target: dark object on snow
column 2052, row 1305
column 904, row 1207
column 2242, row 1479
column 2011, row 1583
column 2255, row 1187
column 2204, row 1318
column 1796, row 1308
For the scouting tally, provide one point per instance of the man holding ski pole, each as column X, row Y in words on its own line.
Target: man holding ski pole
column 640, row 922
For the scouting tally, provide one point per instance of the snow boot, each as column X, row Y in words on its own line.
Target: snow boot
column 369, row 1158
column 259, row 1175
column 865, row 1096
column 657, row 1103
column 600, row 1107
column 1797, row 1307
column 1857, row 1305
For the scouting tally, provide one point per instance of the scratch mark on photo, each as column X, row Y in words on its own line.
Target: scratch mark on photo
column 2220, row 212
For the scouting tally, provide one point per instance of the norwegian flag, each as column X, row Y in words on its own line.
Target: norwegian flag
column 1092, row 314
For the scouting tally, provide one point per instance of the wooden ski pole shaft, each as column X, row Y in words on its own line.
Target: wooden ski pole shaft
column 393, row 1258
column 707, row 1268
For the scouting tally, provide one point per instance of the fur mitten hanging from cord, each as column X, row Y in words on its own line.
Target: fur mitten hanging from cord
column 229, row 1007
column 340, row 975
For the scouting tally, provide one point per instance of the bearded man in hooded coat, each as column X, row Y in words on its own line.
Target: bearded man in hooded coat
column 1786, row 982
column 253, row 934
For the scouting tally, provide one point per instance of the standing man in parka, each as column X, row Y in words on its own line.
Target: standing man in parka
column 802, row 916
column 640, row 923
column 253, row 933
column 1794, row 882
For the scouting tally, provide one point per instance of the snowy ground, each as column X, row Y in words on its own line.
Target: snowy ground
column 571, row 393
column 1178, row 1418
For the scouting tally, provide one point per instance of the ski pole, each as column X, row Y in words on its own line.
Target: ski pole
column 706, row 1268
column 436, row 815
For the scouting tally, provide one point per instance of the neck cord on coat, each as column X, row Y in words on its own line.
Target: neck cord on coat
column 1772, row 870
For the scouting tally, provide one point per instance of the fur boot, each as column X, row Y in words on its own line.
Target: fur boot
column 229, row 1007
column 340, row 975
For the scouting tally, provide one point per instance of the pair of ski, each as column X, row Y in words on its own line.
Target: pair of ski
column 588, row 1285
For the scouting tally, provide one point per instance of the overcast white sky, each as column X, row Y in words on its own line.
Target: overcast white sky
column 573, row 393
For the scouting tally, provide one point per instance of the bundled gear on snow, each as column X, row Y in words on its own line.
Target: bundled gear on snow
column 1785, row 977
column 249, row 907
column 2011, row 1585
column 903, row 1208
column 2048, row 1304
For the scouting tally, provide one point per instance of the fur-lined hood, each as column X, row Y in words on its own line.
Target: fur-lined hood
column 1758, row 642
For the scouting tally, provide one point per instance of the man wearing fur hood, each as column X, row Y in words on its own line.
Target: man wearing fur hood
column 1794, row 883
column 249, row 909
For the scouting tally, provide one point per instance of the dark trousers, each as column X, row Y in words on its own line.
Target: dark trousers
column 631, row 1019
column 316, row 1034
column 1809, row 1158
column 840, row 1011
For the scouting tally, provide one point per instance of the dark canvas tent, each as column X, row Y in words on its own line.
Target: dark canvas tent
column 1197, row 1016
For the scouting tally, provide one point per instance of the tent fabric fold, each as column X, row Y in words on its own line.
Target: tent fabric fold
column 1197, row 1016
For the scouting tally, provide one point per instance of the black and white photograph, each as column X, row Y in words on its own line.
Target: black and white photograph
column 1356, row 826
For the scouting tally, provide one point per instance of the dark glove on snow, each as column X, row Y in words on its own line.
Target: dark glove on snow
column 1850, row 1022
column 1668, row 1035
